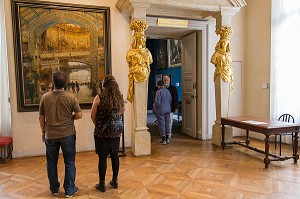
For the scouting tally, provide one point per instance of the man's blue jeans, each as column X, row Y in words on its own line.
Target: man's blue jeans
column 68, row 148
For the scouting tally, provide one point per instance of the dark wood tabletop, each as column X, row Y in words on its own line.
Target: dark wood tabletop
column 260, row 125
column 266, row 127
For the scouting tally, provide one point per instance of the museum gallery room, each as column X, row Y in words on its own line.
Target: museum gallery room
column 234, row 131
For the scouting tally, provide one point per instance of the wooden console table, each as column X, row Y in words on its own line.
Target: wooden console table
column 266, row 127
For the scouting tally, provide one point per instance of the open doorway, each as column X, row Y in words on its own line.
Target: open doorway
column 166, row 54
column 198, row 106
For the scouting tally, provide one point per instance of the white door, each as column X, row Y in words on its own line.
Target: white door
column 189, row 63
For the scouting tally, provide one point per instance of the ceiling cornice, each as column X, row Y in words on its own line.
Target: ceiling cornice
column 164, row 6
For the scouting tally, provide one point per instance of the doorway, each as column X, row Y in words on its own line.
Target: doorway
column 166, row 54
column 195, row 83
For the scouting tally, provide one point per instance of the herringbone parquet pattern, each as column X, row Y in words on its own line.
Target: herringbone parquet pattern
column 186, row 168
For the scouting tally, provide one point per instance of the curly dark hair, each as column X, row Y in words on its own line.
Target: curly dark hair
column 113, row 93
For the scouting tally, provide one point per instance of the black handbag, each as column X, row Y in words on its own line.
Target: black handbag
column 114, row 125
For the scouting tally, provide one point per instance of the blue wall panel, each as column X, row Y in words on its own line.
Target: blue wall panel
column 175, row 73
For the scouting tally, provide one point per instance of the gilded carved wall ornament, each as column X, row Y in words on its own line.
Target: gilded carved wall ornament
column 138, row 57
column 222, row 57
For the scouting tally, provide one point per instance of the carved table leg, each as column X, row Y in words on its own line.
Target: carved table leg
column 295, row 150
column 223, row 144
column 267, row 144
column 247, row 138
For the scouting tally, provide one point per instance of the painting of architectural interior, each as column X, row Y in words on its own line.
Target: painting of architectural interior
column 72, row 41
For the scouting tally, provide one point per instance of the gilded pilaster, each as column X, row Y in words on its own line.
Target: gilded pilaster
column 139, row 59
column 223, row 78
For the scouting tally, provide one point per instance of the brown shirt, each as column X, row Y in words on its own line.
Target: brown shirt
column 57, row 107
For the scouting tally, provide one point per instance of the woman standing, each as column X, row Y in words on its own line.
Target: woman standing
column 105, row 142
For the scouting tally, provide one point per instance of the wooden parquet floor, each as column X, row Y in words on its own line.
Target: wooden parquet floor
column 186, row 168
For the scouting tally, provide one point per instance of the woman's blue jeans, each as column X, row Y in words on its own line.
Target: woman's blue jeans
column 68, row 148
column 163, row 121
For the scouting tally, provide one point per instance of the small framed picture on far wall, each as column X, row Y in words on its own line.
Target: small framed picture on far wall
column 162, row 54
column 174, row 52
column 158, row 77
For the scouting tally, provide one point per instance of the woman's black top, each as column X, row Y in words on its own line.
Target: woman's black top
column 102, row 116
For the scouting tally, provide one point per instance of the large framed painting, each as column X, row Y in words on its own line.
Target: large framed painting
column 174, row 55
column 162, row 54
column 55, row 36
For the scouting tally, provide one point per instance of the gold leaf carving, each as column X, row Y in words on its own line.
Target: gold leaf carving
column 138, row 57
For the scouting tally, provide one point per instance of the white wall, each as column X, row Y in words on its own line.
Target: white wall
column 25, row 126
column 250, row 48
column 237, row 48
column 237, row 39
column 258, row 38
column 250, row 44
column 257, row 66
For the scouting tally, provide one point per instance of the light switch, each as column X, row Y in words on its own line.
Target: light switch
column 266, row 85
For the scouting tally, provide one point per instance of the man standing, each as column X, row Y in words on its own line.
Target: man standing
column 174, row 105
column 162, row 107
column 58, row 110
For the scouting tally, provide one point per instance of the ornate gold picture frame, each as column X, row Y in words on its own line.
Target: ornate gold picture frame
column 174, row 54
column 54, row 36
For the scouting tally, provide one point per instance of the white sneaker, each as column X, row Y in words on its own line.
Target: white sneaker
column 72, row 194
column 163, row 142
column 168, row 140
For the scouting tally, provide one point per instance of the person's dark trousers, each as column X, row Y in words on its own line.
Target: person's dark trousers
column 104, row 147
column 163, row 120
column 68, row 148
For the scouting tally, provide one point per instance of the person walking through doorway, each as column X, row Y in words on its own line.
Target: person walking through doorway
column 174, row 105
column 162, row 107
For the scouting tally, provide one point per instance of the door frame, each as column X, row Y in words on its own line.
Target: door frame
column 206, row 116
